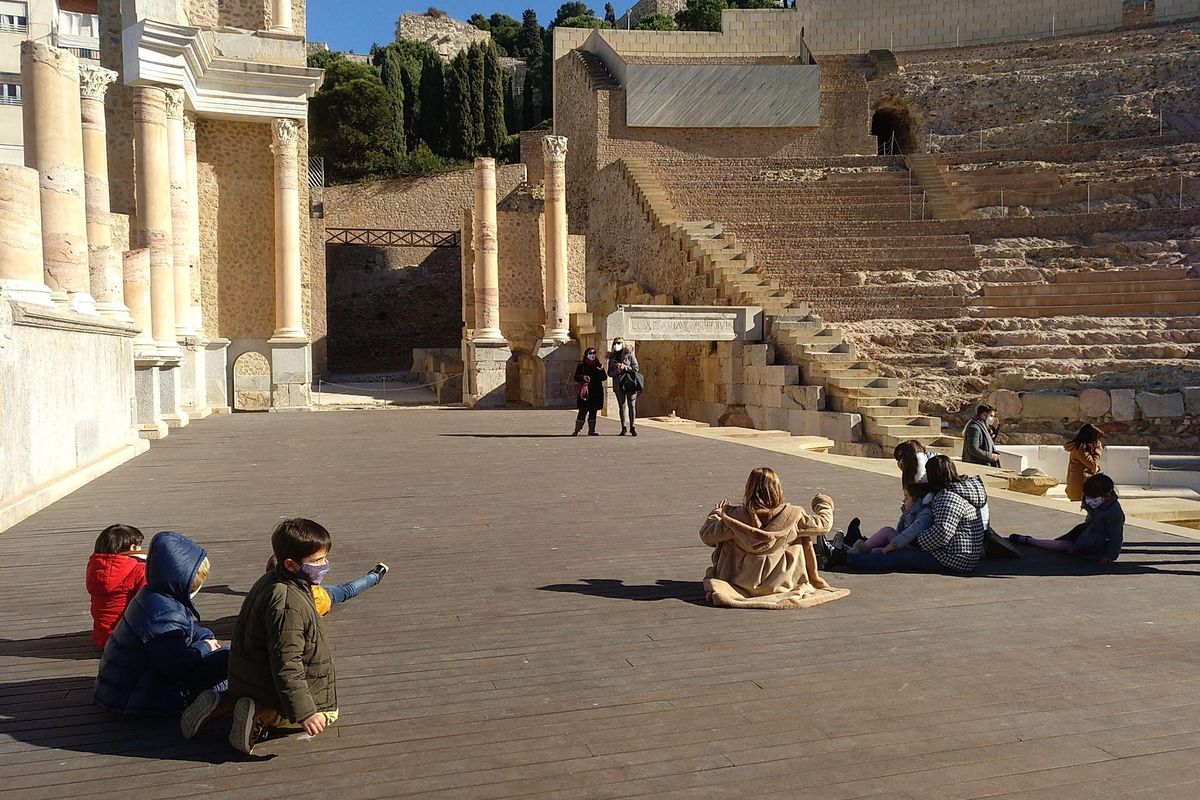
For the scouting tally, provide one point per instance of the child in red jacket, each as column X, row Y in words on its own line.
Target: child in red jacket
column 115, row 572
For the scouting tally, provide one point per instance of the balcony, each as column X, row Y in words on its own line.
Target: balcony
column 78, row 33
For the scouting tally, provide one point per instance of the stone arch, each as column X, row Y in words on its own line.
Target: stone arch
column 251, row 382
column 895, row 128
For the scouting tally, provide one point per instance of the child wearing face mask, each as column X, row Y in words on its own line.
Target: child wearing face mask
column 589, row 391
column 1101, row 535
column 281, row 671
column 326, row 597
column 159, row 658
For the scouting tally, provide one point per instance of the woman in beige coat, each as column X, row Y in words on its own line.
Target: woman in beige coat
column 762, row 550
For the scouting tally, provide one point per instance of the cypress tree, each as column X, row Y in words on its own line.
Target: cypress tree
column 476, row 77
column 434, row 99
column 511, row 112
column 495, row 131
column 528, row 109
column 460, row 125
column 391, row 72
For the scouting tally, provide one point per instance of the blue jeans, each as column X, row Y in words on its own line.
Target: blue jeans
column 213, row 673
column 906, row 559
column 341, row 592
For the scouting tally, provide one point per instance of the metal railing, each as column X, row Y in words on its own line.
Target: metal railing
column 316, row 172
column 391, row 237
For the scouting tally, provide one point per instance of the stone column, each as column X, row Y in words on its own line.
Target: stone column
column 147, row 363
column 21, row 270
column 291, row 353
column 180, row 216
column 487, row 263
column 136, row 282
column 281, row 15
column 54, row 147
column 154, row 208
column 104, row 261
column 288, row 312
column 193, row 195
column 558, row 309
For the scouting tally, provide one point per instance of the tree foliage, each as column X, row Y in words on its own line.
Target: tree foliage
column 505, row 31
column 475, row 75
column 610, row 14
column 656, row 22
column 392, row 75
column 352, row 120
column 700, row 15
column 494, row 129
column 460, row 122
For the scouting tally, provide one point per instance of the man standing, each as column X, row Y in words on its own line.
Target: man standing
column 979, row 447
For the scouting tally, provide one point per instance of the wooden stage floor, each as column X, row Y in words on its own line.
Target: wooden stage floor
column 542, row 632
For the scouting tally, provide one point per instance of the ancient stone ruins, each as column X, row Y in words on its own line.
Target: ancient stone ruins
column 832, row 220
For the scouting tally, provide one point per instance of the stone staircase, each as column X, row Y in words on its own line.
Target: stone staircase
column 933, row 181
column 726, row 274
column 1103, row 293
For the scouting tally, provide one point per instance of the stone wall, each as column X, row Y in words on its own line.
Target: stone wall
column 531, row 155
column 411, row 203
column 66, row 404
column 1174, row 9
column 254, row 15
column 385, row 301
column 448, row 36
column 644, row 8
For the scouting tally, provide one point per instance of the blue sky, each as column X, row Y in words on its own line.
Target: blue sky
column 355, row 24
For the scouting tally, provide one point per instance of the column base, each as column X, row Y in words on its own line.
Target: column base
column 291, row 373
column 26, row 292
column 82, row 303
column 147, row 396
column 170, row 387
column 559, row 360
column 485, row 373
column 489, row 337
column 216, row 382
column 117, row 311
column 195, row 389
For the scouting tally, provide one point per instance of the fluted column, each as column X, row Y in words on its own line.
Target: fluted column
column 104, row 261
column 485, row 245
column 54, row 147
column 558, row 308
column 180, row 217
column 21, row 271
column 281, row 15
column 289, row 323
column 193, row 196
column 153, row 188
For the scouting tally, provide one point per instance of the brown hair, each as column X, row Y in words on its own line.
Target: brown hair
column 1099, row 485
column 118, row 539
column 764, row 490
column 941, row 472
column 906, row 455
column 1088, row 439
column 299, row 538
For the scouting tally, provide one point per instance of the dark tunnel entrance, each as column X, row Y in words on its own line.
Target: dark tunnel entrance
column 893, row 129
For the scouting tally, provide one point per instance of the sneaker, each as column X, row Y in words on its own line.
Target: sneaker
column 854, row 532
column 196, row 714
column 839, row 540
column 1018, row 538
column 823, row 550
column 593, row 433
column 380, row 569
column 242, row 734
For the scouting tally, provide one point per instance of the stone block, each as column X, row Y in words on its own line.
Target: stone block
column 1160, row 405
column 774, row 419
column 1124, row 407
column 1006, row 402
column 780, row 375
column 291, row 361
column 758, row 355
column 752, row 394
column 772, row 396
column 752, row 375
column 1094, row 403
column 1191, row 400
column 1049, row 405
column 804, row 423
column 807, row 398
column 840, row 426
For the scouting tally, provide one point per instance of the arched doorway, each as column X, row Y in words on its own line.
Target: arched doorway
column 894, row 130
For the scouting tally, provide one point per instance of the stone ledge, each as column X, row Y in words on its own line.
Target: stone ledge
column 38, row 316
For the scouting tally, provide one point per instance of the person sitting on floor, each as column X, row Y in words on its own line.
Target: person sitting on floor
column 916, row 517
column 115, row 572
column 1100, row 535
column 326, row 597
column 158, row 658
column 762, row 550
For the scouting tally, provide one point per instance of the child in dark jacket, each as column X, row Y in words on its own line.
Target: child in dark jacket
column 1101, row 535
column 158, row 658
column 281, row 665
column 115, row 572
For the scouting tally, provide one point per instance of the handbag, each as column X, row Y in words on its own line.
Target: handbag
column 632, row 382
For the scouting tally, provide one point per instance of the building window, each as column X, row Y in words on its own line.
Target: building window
column 10, row 94
column 13, row 17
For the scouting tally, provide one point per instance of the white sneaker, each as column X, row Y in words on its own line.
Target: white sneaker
column 196, row 714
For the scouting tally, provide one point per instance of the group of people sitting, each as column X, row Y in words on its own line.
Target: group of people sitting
column 769, row 553
column 159, row 661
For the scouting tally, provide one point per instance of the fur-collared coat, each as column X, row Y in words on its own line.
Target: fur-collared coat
column 765, row 559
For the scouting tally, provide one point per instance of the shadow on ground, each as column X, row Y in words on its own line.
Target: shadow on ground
column 687, row 591
column 59, row 713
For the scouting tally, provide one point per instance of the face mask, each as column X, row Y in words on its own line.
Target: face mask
column 1093, row 502
column 192, row 596
column 618, row 347
column 591, row 356
column 315, row 573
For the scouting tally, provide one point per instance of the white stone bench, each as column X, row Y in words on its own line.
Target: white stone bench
column 1126, row 465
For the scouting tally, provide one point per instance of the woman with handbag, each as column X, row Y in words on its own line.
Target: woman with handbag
column 589, row 391
column 627, row 382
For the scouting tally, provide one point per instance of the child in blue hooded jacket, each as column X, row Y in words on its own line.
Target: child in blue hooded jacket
column 158, row 657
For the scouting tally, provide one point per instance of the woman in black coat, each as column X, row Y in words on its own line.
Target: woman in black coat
column 589, row 391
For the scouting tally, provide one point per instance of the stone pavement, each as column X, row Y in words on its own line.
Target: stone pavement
column 542, row 632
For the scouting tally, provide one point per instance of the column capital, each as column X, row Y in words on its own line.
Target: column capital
column 554, row 148
column 285, row 134
column 189, row 127
column 94, row 81
column 174, row 103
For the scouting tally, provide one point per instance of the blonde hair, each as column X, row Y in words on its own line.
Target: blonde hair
column 764, row 490
column 201, row 575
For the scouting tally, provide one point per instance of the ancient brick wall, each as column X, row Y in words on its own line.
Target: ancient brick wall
column 411, row 203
